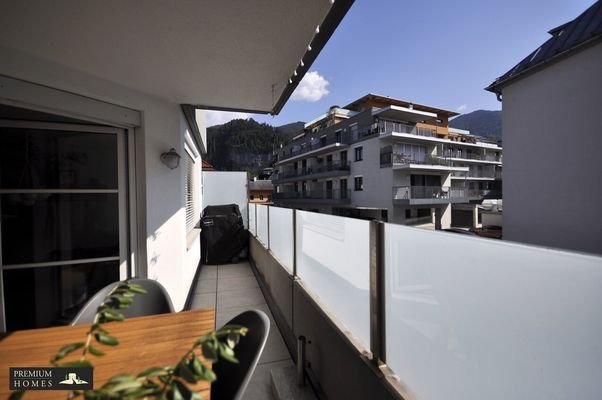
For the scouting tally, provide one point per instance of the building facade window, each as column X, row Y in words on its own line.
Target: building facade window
column 358, row 183
column 343, row 187
column 359, row 153
column 353, row 129
column 52, row 179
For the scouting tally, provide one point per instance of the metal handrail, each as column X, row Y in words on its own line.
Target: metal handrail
column 325, row 167
column 470, row 156
column 428, row 192
column 335, row 194
column 398, row 158
column 473, row 174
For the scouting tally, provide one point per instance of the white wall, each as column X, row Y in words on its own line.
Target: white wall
column 552, row 139
column 162, row 220
column 378, row 182
column 226, row 187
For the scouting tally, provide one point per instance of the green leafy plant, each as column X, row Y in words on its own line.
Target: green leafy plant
column 168, row 382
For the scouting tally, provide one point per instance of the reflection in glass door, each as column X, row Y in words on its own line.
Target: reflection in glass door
column 63, row 219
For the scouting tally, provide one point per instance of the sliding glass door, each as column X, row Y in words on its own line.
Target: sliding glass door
column 63, row 229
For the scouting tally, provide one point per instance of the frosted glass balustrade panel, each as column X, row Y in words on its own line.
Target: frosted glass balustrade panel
column 471, row 318
column 252, row 225
column 262, row 224
column 281, row 236
column 333, row 261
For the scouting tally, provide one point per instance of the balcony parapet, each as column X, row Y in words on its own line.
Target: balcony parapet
column 463, row 155
column 391, row 158
column 335, row 196
column 429, row 195
column 335, row 168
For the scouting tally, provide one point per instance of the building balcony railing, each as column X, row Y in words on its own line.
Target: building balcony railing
column 351, row 135
column 335, row 195
column 474, row 174
column 376, row 293
column 320, row 169
column 448, row 153
column 484, row 194
column 315, row 145
column 391, row 158
column 429, row 194
column 385, row 127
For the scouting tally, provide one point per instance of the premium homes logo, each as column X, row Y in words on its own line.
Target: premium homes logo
column 51, row 378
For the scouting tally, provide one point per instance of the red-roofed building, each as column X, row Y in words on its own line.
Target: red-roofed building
column 207, row 167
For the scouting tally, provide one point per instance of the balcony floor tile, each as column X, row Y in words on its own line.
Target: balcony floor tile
column 232, row 289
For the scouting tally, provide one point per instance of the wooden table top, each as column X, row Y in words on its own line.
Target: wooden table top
column 156, row 340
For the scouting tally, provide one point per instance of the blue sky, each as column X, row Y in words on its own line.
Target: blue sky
column 439, row 53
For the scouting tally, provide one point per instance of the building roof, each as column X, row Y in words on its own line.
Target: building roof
column 213, row 54
column 261, row 185
column 375, row 100
column 568, row 37
column 206, row 166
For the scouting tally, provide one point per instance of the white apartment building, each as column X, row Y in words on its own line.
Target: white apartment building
column 551, row 102
column 388, row 159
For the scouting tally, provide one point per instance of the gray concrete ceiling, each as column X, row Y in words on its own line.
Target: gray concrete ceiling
column 233, row 54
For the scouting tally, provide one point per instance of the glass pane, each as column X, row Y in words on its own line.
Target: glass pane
column 45, row 159
column 252, row 224
column 281, row 236
column 58, row 227
column 333, row 261
column 470, row 318
column 262, row 223
column 41, row 297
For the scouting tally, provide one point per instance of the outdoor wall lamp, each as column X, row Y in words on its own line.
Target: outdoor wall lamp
column 171, row 159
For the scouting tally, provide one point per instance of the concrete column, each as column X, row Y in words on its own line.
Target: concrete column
column 475, row 217
column 446, row 179
column 443, row 216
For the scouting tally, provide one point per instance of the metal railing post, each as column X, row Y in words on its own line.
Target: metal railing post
column 294, row 243
column 377, row 301
column 256, row 233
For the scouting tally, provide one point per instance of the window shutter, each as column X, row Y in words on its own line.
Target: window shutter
column 189, row 189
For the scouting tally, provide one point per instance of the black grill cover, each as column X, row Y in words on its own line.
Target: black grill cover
column 223, row 235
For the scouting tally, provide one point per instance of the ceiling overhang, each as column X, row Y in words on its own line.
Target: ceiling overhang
column 405, row 114
column 228, row 55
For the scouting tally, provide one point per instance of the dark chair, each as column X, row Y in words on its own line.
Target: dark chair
column 232, row 379
column 155, row 301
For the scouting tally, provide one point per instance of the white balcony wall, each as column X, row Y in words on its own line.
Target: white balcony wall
column 471, row 318
column 226, row 187
column 282, row 236
column 252, row 222
column 333, row 263
column 262, row 223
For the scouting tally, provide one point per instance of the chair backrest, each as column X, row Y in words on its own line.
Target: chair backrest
column 232, row 379
column 155, row 301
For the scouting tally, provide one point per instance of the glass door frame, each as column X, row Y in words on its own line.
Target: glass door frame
column 124, row 187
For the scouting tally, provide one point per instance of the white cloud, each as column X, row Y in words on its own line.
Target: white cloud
column 311, row 88
column 221, row 117
column 462, row 108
